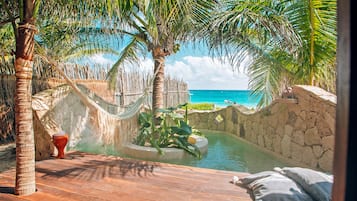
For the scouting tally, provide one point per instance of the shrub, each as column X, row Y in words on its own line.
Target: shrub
column 173, row 131
column 201, row 106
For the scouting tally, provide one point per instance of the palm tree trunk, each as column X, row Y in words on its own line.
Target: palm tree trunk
column 25, row 145
column 158, row 85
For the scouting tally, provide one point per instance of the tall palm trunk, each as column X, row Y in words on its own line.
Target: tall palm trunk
column 158, row 85
column 25, row 146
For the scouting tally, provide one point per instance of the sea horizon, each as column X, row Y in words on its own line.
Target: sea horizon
column 224, row 97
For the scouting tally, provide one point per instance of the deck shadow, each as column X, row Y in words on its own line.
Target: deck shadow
column 99, row 169
column 7, row 190
column 83, row 176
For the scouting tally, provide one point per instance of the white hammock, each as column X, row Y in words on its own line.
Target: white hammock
column 129, row 111
column 102, row 127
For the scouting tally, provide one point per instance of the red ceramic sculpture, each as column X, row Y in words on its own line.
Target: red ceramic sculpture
column 60, row 142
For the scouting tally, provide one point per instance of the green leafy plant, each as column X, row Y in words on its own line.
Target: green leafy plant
column 173, row 131
column 201, row 106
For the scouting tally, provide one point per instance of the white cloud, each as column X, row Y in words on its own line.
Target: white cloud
column 200, row 72
column 207, row 73
column 100, row 59
column 147, row 64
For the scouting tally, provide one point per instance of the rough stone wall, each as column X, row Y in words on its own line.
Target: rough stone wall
column 301, row 129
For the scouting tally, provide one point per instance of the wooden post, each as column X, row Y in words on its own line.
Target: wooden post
column 344, row 163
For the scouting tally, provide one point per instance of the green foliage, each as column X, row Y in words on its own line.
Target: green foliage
column 173, row 131
column 282, row 42
column 151, row 24
column 66, row 41
column 200, row 106
column 7, row 42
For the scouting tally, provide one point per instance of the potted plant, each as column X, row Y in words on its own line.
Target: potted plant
column 172, row 131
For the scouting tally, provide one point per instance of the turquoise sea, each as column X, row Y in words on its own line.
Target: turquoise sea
column 224, row 98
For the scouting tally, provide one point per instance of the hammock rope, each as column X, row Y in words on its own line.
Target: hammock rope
column 129, row 111
column 97, row 125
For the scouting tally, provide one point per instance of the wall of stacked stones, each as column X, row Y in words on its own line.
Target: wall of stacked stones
column 301, row 129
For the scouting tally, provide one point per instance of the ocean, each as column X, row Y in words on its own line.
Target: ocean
column 224, row 98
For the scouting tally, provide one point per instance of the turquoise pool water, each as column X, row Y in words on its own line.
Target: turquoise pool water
column 225, row 152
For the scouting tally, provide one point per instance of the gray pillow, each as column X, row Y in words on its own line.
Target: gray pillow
column 317, row 184
column 250, row 178
column 272, row 186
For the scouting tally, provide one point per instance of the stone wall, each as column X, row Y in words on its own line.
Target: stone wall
column 300, row 129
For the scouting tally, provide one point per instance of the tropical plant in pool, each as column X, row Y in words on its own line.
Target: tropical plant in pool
column 173, row 131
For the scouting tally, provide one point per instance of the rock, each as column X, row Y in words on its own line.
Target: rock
column 312, row 137
column 296, row 152
column 326, row 161
column 328, row 143
column 285, row 146
column 288, row 130
column 317, row 150
column 298, row 137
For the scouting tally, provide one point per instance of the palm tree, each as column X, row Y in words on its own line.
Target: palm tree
column 22, row 16
column 25, row 150
column 289, row 42
column 158, row 27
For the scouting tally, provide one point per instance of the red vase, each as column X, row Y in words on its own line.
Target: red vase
column 60, row 142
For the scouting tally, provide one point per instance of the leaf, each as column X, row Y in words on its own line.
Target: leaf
column 145, row 119
column 164, row 110
column 176, row 116
column 128, row 54
column 186, row 146
column 184, row 129
column 182, row 105
column 154, row 144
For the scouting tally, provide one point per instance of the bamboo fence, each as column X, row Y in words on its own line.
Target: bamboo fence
column 130, row 86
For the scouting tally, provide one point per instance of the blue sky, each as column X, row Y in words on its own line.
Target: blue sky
column 194, row 66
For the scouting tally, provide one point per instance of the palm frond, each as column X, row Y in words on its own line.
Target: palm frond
column 257, row 21
column 264, row 79
column 298, row 38
column 315, row 21
column 128, row 54
column 82, row 52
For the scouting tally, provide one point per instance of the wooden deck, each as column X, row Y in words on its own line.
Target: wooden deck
column 83, row 176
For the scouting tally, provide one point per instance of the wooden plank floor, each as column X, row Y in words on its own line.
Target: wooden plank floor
column 83, row 176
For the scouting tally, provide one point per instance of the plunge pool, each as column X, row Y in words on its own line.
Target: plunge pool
column 225, row 152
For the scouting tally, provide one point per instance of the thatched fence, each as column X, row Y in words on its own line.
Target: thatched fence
column 130, row 86
column 42, row 70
